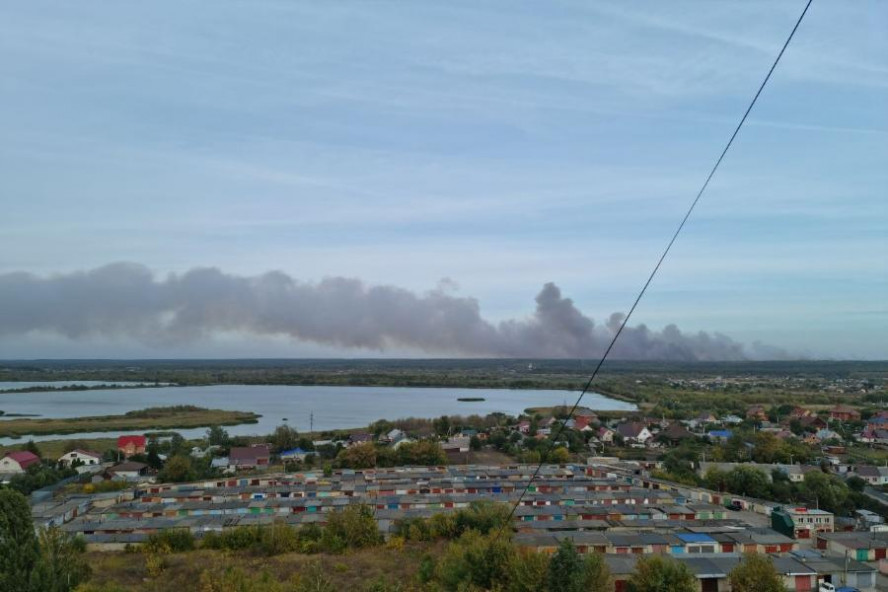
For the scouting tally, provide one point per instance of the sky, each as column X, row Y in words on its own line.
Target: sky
column 482, row 148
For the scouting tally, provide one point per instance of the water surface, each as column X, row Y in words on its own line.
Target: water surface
column 332, row 407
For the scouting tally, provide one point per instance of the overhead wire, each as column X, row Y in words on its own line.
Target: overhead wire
column 554, row 437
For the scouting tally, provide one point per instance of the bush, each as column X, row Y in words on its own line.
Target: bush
column 475, row 560
column 177, row 540
column 270, row 540
column 352, row 527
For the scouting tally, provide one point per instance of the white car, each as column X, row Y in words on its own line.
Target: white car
column 826, row 587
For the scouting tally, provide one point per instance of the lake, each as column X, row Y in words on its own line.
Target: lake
column 334, row 407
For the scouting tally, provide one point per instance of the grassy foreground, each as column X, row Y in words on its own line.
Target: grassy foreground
column 155, row 418
column 200, row 570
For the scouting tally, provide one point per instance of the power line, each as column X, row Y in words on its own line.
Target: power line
column 561, row 425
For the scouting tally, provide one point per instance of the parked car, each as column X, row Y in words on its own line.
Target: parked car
column 737, row 506
column 826, row 587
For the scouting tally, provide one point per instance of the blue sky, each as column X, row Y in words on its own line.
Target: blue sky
column 501, row 145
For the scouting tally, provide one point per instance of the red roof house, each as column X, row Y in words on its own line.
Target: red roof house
column 130, row 445
column 18, row 462
column 844, row 413
column 249, row 457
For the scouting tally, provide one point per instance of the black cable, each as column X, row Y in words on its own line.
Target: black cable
column 561, row 425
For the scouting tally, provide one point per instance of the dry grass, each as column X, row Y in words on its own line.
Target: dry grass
column 353, row 571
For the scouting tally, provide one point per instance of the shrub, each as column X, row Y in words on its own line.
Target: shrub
column 177, row 540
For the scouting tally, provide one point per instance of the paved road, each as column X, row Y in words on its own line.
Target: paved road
column 876, row 494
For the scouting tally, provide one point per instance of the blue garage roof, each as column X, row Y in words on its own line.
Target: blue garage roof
column 693, row 537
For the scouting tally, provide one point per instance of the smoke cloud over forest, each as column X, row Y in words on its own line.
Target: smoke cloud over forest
column 125, row 300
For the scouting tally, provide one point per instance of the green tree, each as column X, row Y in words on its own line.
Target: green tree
column 31, row 447
column 177, row 444
column 857, row 484
column 559, row 456
column 528, row 571
column 284, row 438
column 61, row 565
column 749, row 481
column 217, row 436
column 355, row 527
column 475, row 560
column 756, row 573
column 826, row 491
column 597, row 576
column 177, row 470
column 658, row 573
column 424, row 452
column 152, row 458
column 566, row 569
column 18, row 542
column 359, row 456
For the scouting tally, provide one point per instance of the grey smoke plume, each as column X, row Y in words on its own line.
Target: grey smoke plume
column 126, row 300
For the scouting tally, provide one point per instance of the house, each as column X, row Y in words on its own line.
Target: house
column 524, row 427
column 359, row 438
column 457, row 444
column 720, row 435
column 294, row 454
column 581, row 424
column 844, row 413
column 873, row 475
column 825, row 434
column 18, row 461
column 402, row 440
column 757, row 413
column 80, row 457
column 394, row 435
column 605, row 434
column 705, row 418
column 634, row 432
column 812, row 422
column 130, row 445
column 128, row 471
column 249, row 457
column 732, row 419
column 675, row 433
column 801, row 522
column 800, row 412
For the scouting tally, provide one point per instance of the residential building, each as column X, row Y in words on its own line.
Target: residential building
column 873, row 475
column 18, row 461
column 757, row 413
column 801, row 522
column 130, row 445
column 844, row 413
column 634, row 432
column 81, row 457
column 129, row 471
column 294, row 454
column 249, row 457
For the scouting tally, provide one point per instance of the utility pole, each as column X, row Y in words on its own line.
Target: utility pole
column 311, row 422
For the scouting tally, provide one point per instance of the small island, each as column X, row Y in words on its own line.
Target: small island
column 471, row 399
column 154, row 418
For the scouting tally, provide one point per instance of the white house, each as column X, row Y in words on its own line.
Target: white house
column 873, row 475
column 85, row 457
column 634, row 431
column 17, row 462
